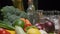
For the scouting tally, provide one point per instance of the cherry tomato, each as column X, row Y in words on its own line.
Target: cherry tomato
column 3, row 31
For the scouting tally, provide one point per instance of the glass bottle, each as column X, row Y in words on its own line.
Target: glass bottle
column 31, row 7
column 18, row 4
column 30, row 10
column 55, row 20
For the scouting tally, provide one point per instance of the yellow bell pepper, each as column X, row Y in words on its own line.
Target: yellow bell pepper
column 12, row 32
column 33, row 31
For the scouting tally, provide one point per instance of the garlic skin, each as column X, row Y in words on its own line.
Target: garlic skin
column 43, row 32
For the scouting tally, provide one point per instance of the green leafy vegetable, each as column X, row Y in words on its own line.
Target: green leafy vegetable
column 11, row 14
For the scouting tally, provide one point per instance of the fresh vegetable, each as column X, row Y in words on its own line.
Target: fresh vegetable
column 19, row 30
column 6, row 26
column 49, row 26
column 19, row 22
column 27, row 24
column 11, row 31
column 26, row 21
column 22, row 19
column 45, row 24
column 39, row 26
column 24, row 29
column 43, row 32
column 27, row 28
column 33, row 31
column 52, row 33
column 10, row 14
column 3, row 31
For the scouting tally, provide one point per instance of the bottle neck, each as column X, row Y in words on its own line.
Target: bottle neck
column 30, row 2
column 31, row 7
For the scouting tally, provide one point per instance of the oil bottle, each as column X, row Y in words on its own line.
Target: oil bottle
column 18, row 4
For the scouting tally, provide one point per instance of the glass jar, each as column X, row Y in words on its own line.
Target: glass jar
column 55, row 20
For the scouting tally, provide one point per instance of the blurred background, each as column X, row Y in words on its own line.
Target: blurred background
column 49, row 4
column 42, row 4
column 46, row 5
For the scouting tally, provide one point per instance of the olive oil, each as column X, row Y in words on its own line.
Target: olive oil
column 19, row 4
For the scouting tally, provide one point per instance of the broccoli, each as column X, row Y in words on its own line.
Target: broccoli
column 11, row 14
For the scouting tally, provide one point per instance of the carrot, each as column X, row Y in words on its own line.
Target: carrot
column 23, row 19
column 27, row 22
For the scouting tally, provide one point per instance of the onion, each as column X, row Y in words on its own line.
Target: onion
column 39, row 26
column 49, row 26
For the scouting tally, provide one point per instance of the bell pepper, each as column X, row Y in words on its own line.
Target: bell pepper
column 27, row 23
column 19, row 22
column 33, row 30
column 11, row 31
column 27, row 28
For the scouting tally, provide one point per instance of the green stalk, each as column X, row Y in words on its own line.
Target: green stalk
column 6, row 26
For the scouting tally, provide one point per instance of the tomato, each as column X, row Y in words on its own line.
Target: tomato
column 3, row 31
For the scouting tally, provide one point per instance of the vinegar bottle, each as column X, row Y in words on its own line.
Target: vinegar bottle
column 30, row 10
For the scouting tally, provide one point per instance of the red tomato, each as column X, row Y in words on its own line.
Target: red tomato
column 3, row 31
